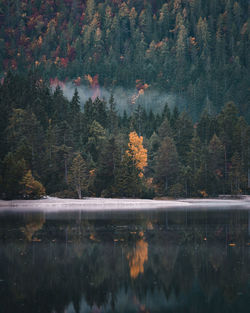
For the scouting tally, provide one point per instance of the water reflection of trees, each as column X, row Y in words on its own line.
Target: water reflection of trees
column 191, row 264
column 33, row 223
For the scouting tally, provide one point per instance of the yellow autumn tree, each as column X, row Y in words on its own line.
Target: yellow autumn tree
column 137, row 151
column 32, row 189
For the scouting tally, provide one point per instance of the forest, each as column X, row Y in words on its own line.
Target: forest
column 193, row 142
column 50, row 146
column 196, row 49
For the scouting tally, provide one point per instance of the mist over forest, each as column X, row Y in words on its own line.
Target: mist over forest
column 195, row 49
column 154, row 100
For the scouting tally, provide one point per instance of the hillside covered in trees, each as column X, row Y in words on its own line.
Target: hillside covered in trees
column 48, row 143
column 196, row 49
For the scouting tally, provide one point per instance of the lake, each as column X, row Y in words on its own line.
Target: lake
column 127, row 261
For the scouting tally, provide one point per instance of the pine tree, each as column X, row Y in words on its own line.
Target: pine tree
column 96, row 138
column 76, row 119
column 236, row 176
column 78, row 176
column 127, row 180
column 216, row 164
column 13, row 170
column 165, row 130
column 183, row 135
column 112, row 116
column 109, row 162
column 167, row 165
column 75, row 105
column 90, row 10
column 24, row 132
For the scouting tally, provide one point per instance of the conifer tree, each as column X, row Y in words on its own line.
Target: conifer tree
column 75, row 105
column 216, row 164
column 109, row 162
column 76, row 119
column 78, row 175
column 13, row 171
column 112, row 116
column 167, row 165
column 127, row 180
column 96, row 138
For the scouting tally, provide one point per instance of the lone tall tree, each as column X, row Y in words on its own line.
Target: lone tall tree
column 137, row 151
column 77, row 178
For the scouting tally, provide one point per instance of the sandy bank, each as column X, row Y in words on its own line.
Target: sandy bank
column 50, row 204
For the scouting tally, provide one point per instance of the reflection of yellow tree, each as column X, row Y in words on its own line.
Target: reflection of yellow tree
column 33, row 226
column 137, row 257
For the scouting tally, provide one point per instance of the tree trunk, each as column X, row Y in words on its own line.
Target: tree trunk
column 65, row 170
column 79, row 193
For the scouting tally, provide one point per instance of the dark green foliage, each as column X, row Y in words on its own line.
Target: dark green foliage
column 12, row 172
column 167, row 165
column 78, row 175
column 236, row 174
column 95, row 140
column 76, row 120
column 60, row 109
column 127, row 182
column 112, row 116
column 109, row 163
column 165, row 130
column 196, row 49
column 216, row 164
column 183, row 135
column 96, row 111
column 206, row 127
column 184, row 159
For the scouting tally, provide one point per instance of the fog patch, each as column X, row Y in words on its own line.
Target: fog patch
column 151, row 98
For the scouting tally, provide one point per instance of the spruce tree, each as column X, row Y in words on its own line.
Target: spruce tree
column 78, row 175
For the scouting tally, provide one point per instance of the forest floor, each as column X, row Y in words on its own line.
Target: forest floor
column 51, row 204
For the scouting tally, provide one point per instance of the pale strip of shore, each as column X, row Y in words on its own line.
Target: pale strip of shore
column 50, row 204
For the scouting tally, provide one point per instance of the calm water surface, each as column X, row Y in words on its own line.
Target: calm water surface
column 144, row 261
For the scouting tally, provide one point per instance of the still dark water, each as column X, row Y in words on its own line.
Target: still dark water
column 144, row 261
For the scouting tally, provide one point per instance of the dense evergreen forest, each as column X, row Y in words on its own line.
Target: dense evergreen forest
column 196, row 49
column 48, row 142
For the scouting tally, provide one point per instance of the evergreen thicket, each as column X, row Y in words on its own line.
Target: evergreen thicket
column 48, row 142
column 196, row 49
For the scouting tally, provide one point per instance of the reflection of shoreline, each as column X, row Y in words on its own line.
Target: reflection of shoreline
column 102, row 204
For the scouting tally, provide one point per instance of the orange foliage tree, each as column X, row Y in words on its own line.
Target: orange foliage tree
column 137, row 151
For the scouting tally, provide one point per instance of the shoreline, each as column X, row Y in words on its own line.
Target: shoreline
column 51, row 204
